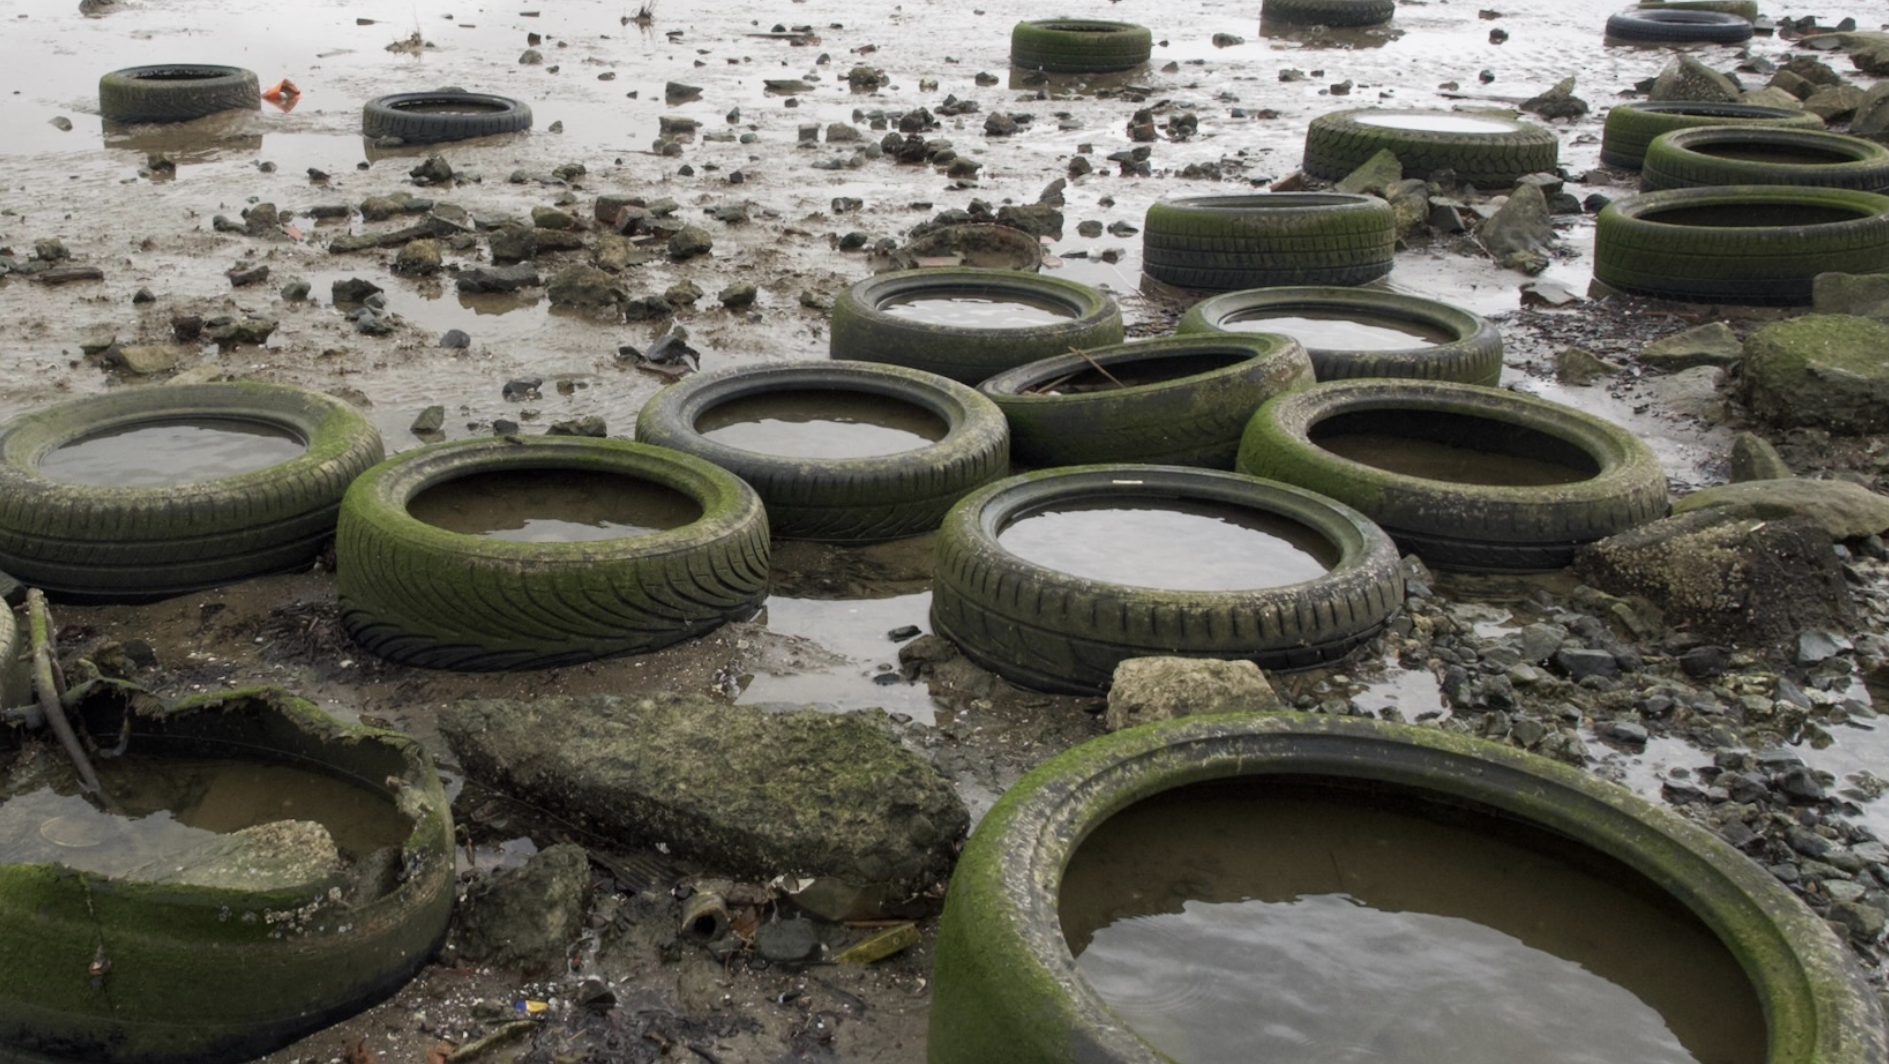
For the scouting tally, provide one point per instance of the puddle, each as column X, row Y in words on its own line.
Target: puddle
column 1433, row 123
column 1452, row 448
column 1280, row 921
column 1412, row 693
column 552, row 506
column 171, row 452
column 1338, row 331
column 1742, row 216
column 821, row 424
column 1782, row 155
column 1228, row 548
column 862, row 672
column 976, row 312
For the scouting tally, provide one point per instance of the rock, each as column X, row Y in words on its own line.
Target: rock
column 1714, row 344
column 787, row 941
column 498, row 278
column 1753, row 458
column 1376, row 174
column 293, row 292
column 455, row 338
column 647, row 308
column 1410, row 207
column 1036, row 219
column 1771, row 97
column 261, row 219
column 1814, row 646
column 1579, row 366
column 588, row 425
column 419, row 258
column 755, row 791
column 528, row 916
column 244, row 276
column 1578, row 663
column 1791, row 82
column 429, row 422
column 999, row 124
column 295, row 857
column 142, row 360
column 1151, row 689
column 1823, row 370
column 514, row 243
column 1872, row 112
column 434, row 171
column 1686, row 80
column 583, row 286
column 552, row 218
column 241, row 330
column 1865, row 295
column 690, row 241
column 738, row 296
column 353, row 290
column 1520, row 232
column 1842, row 509
column 1833, row 103
column 1558, row 102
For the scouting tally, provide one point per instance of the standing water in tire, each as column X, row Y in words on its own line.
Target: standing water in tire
column 968, row 310
column 1290, row 925
column 553, row 506
column 171, row 452
column 1332, row 331
column 823, row 424
column 1436, row 123
column 1228, row 548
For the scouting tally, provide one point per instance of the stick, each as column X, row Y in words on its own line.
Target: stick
column 48, row 690
column 1098, row 367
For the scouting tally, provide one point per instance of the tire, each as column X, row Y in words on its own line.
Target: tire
column 1670, row 25
column 1006, row 986
column 1340, row 142
column 1329, row 12
column 475, row 114
column 176, row 92
column 843, row 500
column 420, row 595
column 1079, row 46
column 1745, row 9
column 1764, row 245
column 1631, row 127
column 90, row 543
column 1282, row 238
column 1471, row 527
column 1472, row 355
column 1760, row 155
column 16, row 685
column 253, row 970
column 862, row 331
column 1186, row 401
column 1053, row 631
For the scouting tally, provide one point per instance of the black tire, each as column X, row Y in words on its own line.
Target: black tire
column 1078, row 46
column 1050, row 630
column 1760, row 155
column 1493, row 157
column 1473, row 527
column 1669, row 25
column 176, row 92
column 1471, row 355
column 1329, row 12
column 89, row 543
column 1745, row 9
column 1281, row 238
column 16, row 687
column 433, row 117
column 1630, row 127
column 1739, row 243
column 1185, row 400
column 862, row 331
column 420, row 595
column 843, row 500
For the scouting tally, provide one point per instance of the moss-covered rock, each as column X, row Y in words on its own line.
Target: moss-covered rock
column 526, row 917
column 1842, row 509
column 1830, row 371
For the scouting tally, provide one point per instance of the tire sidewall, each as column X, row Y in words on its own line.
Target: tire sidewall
column 1472, row 356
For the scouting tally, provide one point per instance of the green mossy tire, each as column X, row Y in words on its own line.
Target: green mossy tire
column 1005, row 985
column 89, row 543
column 1759, row 155
column 1745, row 9
column 417, row 118
column 1631, row 127
column 16, row 687
column 1185, row 400
column 843, row 500
column 1053, row 631
column 1450, row 525
column 1670, row 25
column 1471, row 355
column 176, row 92
column 1329, row 12
column 1281, row 238
column 420, row 595
column 861, row 331
column 206, row 975
column 1079, row 46
column 1340, row 142
column 1767, row 246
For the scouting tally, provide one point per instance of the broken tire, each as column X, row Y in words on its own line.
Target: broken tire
column 1054, row 631
column 1179, row 400
column 1329, row 12
column 1281, row 238
column 176, row 92
column 1076, row 46
column 92, row 543
column 1467, row 349
column 1739, row 244
column 420, row 595
column 1483, row 150
column 435, row 117
column 1456, row 525
column 1757, row 155
column 843, row 500
column 15, row 683
column 862, row 330
column 1631, row 127
column 1670, row 25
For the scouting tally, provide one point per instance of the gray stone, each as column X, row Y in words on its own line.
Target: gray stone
column 1713, row 344
column 1036, row 219
column 1579, row 663
column 419, row 258
column 1833, row 103
column 1872, row 113
column 1519, row 234
column 1865, row 295
column 430, row 421
column 1793, row 83
column 434, row 171
column 455, row 338
column 1541, row 639
column 689, row 242
column 1410, row 206
column 290, row 856
column 1842, row 509
column 1753, row 458
column 1814, row 645
column 1624, row 732
column 498, row 278
column 755, row 791
column 1801, row 784
column 1378, row 173
column 552, row 218
column 528, row 916
column 513, row 243
column 142, row 360
column 1150, row 689
column 583, row 286
column 1558, row 102
column 787, row 941
column 1579, row 366
column 1828, row 371
column 1686, row 80
column 1771, row 97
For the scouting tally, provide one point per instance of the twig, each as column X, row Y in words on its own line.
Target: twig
column 1086, row 357
column 47, row 687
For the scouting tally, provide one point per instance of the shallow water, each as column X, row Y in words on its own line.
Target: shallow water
column 553, row 506
column 1337, row 331
column 171, row 452
column 806, row 423
column 1441, row 461
column 1227, row 548
column 977, row 312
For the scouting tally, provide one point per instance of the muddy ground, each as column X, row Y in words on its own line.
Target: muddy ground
column 598, row 94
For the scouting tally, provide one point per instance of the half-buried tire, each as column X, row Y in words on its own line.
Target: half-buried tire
column 1485, row 150
column 1669, row 25
column 1281, row 238
column 1329, row 12
column 1630, row 127
column 1077, row 46
column 1409, row 336
column 175, row 92
column 435, row 117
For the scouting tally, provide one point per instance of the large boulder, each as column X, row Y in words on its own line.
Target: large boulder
column 1151, row 689
column 1842, row 509
column 1712, row 344
column 1827, row 371
column 1519, row 234
column 1872, row 114
column 1865, row 295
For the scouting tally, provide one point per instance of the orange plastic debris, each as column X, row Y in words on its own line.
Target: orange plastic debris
column 282, row 88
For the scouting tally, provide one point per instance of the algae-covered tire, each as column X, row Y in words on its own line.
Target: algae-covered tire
column 435, row 117
column 1079, row 46
column 1759, row 155
column 100, row 968
column 1745, row 9
column 15, row 683
column 1454, row 525
column 1329, row 12
column 1669, row 25
column 175, row 92
column 1178, row 400
column 843, row 500
column 420, row 595
column 92, row 543
column 1281, row 238
column 1739, row 243
column 1484, row 150
column 1460, row 346
column 1631, row 127
column 1006, row 985
column 862, row 329
column 1050, row 630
